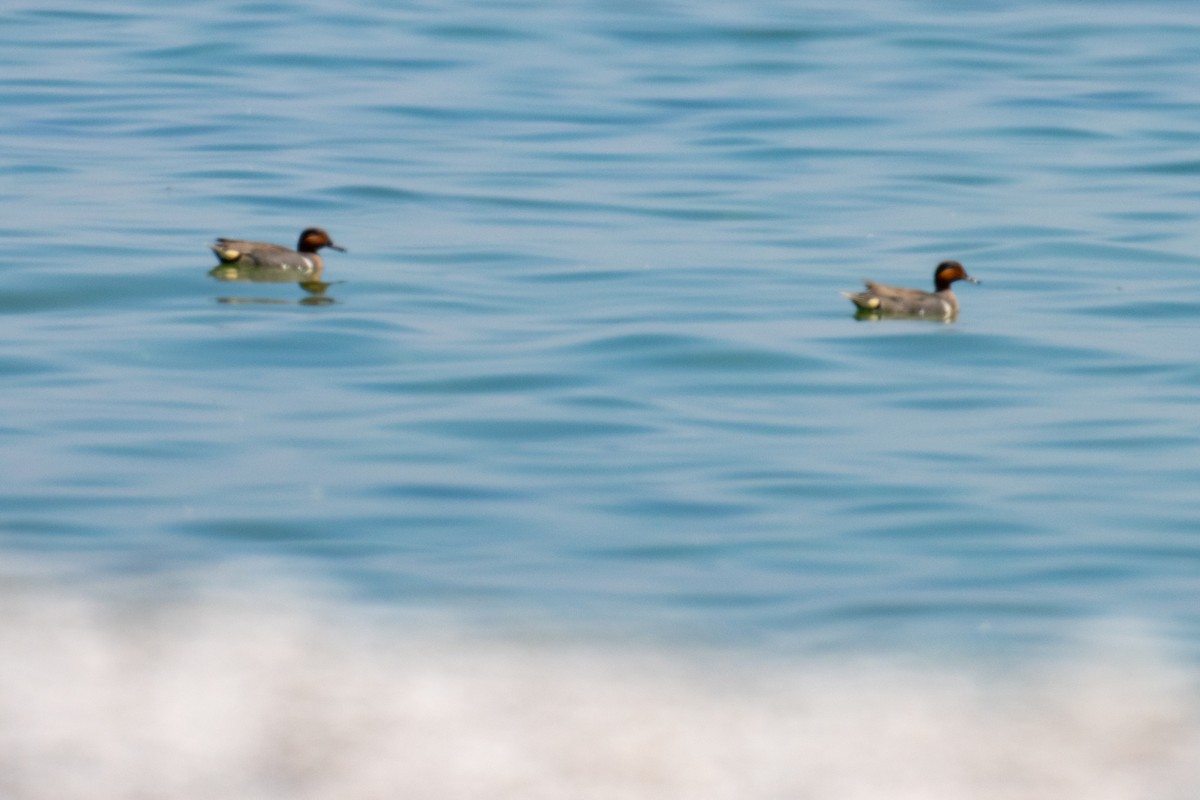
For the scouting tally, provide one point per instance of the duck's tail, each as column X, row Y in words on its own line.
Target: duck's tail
column 864, row 300
column 224, row 251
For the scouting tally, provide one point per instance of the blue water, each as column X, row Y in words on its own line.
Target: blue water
column 584, row 378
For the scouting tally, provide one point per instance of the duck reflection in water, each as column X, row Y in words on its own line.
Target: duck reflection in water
column 263, row 262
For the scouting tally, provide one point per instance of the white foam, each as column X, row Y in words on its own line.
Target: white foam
column 265, row 694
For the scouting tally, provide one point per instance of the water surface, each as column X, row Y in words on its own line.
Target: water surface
column 584, row 378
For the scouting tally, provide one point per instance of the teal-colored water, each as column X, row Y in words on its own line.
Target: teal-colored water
column 585, row 366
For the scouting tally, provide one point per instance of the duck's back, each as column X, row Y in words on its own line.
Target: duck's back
column 897, row 293
column 262, row 254
column 902, row 300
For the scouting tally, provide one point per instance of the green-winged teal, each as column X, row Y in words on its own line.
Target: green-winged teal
column 897, row 301
column 303, row 259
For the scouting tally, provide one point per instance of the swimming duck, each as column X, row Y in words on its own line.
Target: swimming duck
column 896, row 301
column 304, row 258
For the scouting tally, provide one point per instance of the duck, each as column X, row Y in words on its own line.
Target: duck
column 302, row 260
column 898, row 301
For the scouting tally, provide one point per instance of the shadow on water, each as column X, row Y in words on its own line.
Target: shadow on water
column 874, row 315
column 314, row 287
